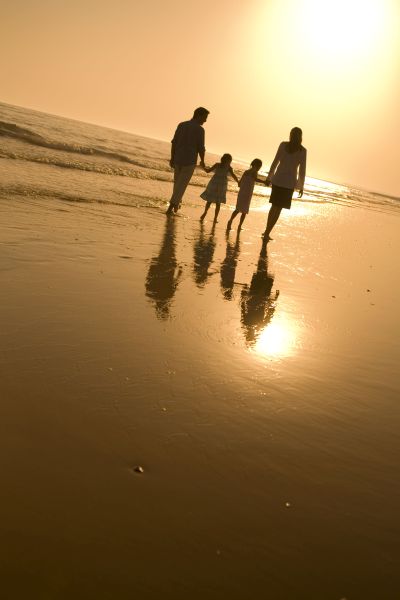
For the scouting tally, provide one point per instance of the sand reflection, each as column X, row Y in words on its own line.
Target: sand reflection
column 228, row 267
column 258, row 302
column 164, row 273
column 203, row 251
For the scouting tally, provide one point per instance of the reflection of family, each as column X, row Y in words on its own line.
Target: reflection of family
column 287, row 173
column 257, row 302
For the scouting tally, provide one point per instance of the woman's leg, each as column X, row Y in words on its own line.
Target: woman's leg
column 273, row 216
column 229, row 225
column 208, row 204
column 217, row 207
column 242, row 218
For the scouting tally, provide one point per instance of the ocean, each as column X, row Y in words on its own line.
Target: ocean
column 108, row 166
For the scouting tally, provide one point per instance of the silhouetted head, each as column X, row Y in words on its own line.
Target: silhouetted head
column 226, row 159
column 201, row 114
column 295, row 139
column 256, row 163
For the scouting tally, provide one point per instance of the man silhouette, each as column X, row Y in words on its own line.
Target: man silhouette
column 187, row 144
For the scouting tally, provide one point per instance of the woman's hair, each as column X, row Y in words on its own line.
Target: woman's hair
column 226, row 158
column 295, row 139
column 256, row 162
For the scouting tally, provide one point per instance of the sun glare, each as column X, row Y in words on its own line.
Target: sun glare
column 348, row 29
column 278, row 339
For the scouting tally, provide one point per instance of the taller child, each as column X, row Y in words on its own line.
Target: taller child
column 186, row 146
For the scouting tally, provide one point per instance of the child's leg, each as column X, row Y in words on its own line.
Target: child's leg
column 229, row 225
column 208, row 204
column 242, row 218
column 217, row 208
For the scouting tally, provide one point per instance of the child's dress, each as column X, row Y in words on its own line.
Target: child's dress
column 217, row 186
column 245, row 193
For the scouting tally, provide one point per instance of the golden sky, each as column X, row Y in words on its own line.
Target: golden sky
column 260, row 67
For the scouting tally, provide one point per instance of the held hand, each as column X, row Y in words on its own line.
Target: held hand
column 300, row 193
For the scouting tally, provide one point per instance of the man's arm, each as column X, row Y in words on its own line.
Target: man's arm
column 201, row 147
column 201, row 154
column 172, row 161
column 173, row 146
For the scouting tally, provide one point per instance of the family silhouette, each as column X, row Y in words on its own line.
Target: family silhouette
column 286, row 173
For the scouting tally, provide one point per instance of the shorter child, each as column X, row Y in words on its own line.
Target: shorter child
column 215, row 191
column 245, row 194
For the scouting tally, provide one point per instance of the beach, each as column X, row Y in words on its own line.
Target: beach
column 256, row 386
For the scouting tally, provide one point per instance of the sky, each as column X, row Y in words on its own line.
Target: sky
column 260, row 67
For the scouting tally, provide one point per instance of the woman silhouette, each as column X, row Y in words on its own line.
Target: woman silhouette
column 287, row 172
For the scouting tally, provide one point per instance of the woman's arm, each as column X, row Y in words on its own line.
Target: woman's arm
column 302, row 172
column 274, row 164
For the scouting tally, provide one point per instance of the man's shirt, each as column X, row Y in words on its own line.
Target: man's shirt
column 188, row 141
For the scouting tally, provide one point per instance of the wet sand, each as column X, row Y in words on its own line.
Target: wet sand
column 258, row 389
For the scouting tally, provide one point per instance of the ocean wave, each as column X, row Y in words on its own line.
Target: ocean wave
column 104, row 169
column 143, row 171
column 124, row 200
column 31, row 137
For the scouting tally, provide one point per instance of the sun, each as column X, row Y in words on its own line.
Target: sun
column 343, row 31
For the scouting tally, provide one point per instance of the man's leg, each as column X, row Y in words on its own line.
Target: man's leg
column 182, row 176
column 177, row 171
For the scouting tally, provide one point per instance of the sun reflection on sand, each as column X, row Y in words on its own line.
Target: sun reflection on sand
column 278, row 339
